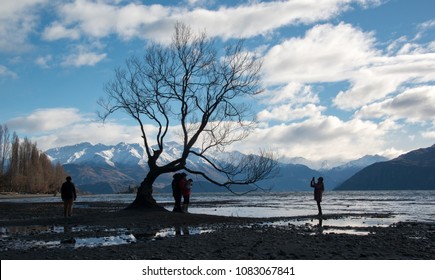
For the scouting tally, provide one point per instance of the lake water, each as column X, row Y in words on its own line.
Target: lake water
column 352, row 213
column 401, row 205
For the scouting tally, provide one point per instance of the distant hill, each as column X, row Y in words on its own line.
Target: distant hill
column 343, row 172
column 100, row 179
column 411, row 171
column 293, row 177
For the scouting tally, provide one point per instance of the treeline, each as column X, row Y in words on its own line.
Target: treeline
column 25, row 169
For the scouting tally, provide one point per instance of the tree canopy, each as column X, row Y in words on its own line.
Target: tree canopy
column 24, row 168
column 197, row 90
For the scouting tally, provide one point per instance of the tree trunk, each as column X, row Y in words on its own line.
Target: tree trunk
column 144, row 197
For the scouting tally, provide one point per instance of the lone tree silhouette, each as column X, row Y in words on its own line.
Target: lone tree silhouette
column 190, row 87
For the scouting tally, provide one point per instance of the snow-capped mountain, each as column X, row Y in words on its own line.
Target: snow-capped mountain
column 363, row 162
column 103, row 168
column 347, row 170
column 118, row 155
column 122, row 153
column 316, row 165
column 112, row 168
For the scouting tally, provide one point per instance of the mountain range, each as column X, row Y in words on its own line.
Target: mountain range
column 411, row 171
column 117, row 168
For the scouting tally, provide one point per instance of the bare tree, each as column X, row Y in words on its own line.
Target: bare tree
column 192, row 86
column 4, row 147
column 24, row 168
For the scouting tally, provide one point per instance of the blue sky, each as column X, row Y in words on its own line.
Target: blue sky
column 343, row 78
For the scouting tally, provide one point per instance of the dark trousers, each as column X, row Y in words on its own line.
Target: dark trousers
column 319, row 208
column 177, row 198
column 67, row 207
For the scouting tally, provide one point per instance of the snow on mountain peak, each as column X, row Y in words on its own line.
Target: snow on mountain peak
column 122, row 153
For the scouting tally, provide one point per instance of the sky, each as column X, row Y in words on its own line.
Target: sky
column 342, row 78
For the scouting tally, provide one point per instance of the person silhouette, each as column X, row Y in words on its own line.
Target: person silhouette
column 319, row 188
column 186, row 195
column 68, row 195
column 176, row 192
column 181, row 185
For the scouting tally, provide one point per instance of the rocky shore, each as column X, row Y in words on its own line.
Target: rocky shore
column 102, row 231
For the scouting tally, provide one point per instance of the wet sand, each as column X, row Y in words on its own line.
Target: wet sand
column 102, row 231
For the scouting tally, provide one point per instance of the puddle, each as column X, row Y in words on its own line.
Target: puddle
column 34, row 230
column 177, row 231
column 10, row 238
column 102, row 241
column 30, row 230
column 90, row 242
column 342, row 231
column 348, row 225
column 341, row 222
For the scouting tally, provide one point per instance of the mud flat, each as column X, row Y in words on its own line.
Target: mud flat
column 101, row 231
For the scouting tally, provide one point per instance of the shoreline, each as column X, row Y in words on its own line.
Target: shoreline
column 39, row 231
column 9, row 195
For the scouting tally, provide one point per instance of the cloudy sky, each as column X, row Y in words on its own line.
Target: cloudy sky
column 344, row 78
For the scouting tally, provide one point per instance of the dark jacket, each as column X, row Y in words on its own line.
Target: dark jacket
column 318, row 190
column 68, row 191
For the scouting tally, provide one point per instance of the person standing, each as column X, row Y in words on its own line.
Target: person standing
column 181, row 183
column 319, row 188
column 176, row 192
column 68, row 195
column 186, row 195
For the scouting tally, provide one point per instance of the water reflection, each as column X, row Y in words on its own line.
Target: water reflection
column 90, row 242
column 354, row 225
column 182, row 230
column 179, row 231
column 29, row 230
column 42, row 229
column 319, row 227
column 105, row 241
column 10, row 236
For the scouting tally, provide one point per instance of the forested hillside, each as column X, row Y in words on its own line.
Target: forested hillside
column 24, row 168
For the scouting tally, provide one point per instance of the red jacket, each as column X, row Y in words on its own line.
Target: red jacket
column 186, row 188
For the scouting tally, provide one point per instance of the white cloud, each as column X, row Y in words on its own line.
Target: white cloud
column 293, row 92
column 143, row 21
column 320, row 137
column 44, row 61
column 57, row 31
column 429, row 134
column 83, row 18
column 294, row 101
column 413, row 105
column 55, row 127
column 89, row 131
column 103, row 18
column 384, row 76
column 425, row 27
column 327, row 53
column 230, row 22
column 287, row 113
column 17, row 20
column 331, row 53
column 199, row 2
column 46, row 119
column 5, row 72
column 83, row 58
